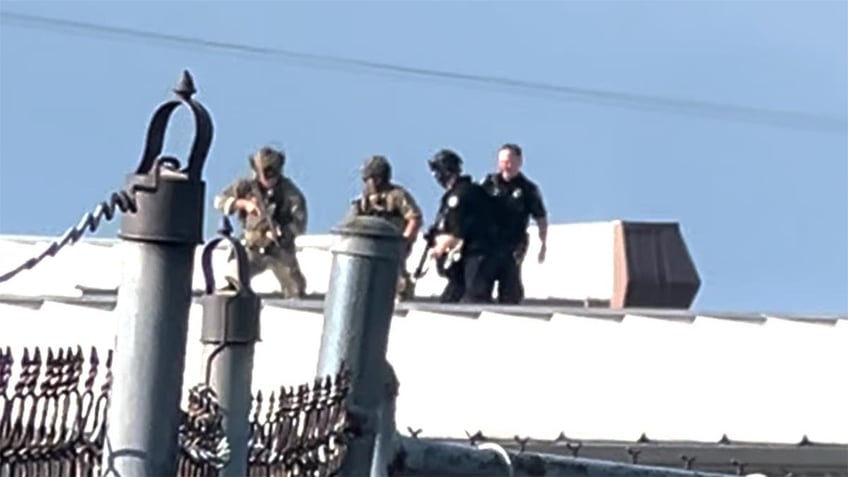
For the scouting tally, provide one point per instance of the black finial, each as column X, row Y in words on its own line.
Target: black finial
column 226, row 228
column 185, row 86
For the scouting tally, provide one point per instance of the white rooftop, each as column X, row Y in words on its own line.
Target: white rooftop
column 579, row 267
column 532, row 371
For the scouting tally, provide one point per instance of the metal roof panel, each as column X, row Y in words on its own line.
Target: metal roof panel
column 587, row 377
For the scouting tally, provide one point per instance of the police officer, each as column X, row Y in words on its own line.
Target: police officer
column 272, row 212
column 465, row 232
column 382, row 198
column 518, row 199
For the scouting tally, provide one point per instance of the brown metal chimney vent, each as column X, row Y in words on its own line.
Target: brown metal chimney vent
column 652, row 267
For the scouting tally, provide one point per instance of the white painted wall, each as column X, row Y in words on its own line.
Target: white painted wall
column 588, row 377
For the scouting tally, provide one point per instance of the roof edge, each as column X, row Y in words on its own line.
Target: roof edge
column 107, row 299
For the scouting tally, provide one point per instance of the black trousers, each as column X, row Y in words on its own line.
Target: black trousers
column 507, row 273
column 471, row 280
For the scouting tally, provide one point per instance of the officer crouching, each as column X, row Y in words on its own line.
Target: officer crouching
column 466, row 241
column 382, row 198
column 272, row 212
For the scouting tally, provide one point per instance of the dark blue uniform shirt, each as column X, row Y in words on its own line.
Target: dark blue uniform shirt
column 516, row 201
column 466, row 212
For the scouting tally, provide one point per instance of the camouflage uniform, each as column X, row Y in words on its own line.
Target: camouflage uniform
column 286, row 205
column 393, row 203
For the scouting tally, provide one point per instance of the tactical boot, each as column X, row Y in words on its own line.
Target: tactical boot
column 406, row 290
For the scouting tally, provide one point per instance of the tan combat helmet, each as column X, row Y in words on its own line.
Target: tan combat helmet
column 377, row 167
column 268, row 161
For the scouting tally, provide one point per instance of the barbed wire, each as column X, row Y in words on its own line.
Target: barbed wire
column 121, row 200
column 723, row 455
column 202, row 438
column 53, row 421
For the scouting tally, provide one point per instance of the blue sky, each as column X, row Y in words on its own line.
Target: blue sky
column 764, row 209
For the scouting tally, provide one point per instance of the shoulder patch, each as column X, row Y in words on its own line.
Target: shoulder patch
column 453, row 201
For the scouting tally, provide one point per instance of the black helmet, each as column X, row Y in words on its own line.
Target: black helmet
column 446, row 161
column 377, row 167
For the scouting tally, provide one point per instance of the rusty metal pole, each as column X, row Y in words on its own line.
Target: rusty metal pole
column 358, row 311
column 159, row 240
column 229, row 331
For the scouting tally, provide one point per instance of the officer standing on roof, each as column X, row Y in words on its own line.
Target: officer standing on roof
column 382, row 198
column 465, row 224
column 518, row 199
column 272, row 212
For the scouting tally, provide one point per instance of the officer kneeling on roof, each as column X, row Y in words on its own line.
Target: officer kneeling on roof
column 465, row 241
column 272, row 212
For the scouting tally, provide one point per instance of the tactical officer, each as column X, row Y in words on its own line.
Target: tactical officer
column 465, row 232
column 272, row 212
column 382, row 198
column 518, row 199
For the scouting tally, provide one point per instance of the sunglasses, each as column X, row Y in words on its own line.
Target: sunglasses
column 269, row 173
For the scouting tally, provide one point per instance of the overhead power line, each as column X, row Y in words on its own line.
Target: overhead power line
column 790, row 119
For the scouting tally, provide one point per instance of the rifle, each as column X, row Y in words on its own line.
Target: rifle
column 429, row 241
column 443, row 263
column 267, row 217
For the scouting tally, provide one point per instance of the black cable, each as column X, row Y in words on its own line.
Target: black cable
column 791, row 119
column 122, row 200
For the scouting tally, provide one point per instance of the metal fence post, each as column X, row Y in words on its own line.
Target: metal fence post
column 387, row 435
column 159, row 240
column 358, row 311
column 229, row 331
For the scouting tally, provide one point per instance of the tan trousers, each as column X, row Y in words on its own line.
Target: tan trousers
column 282, row 263
column 405, row 285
